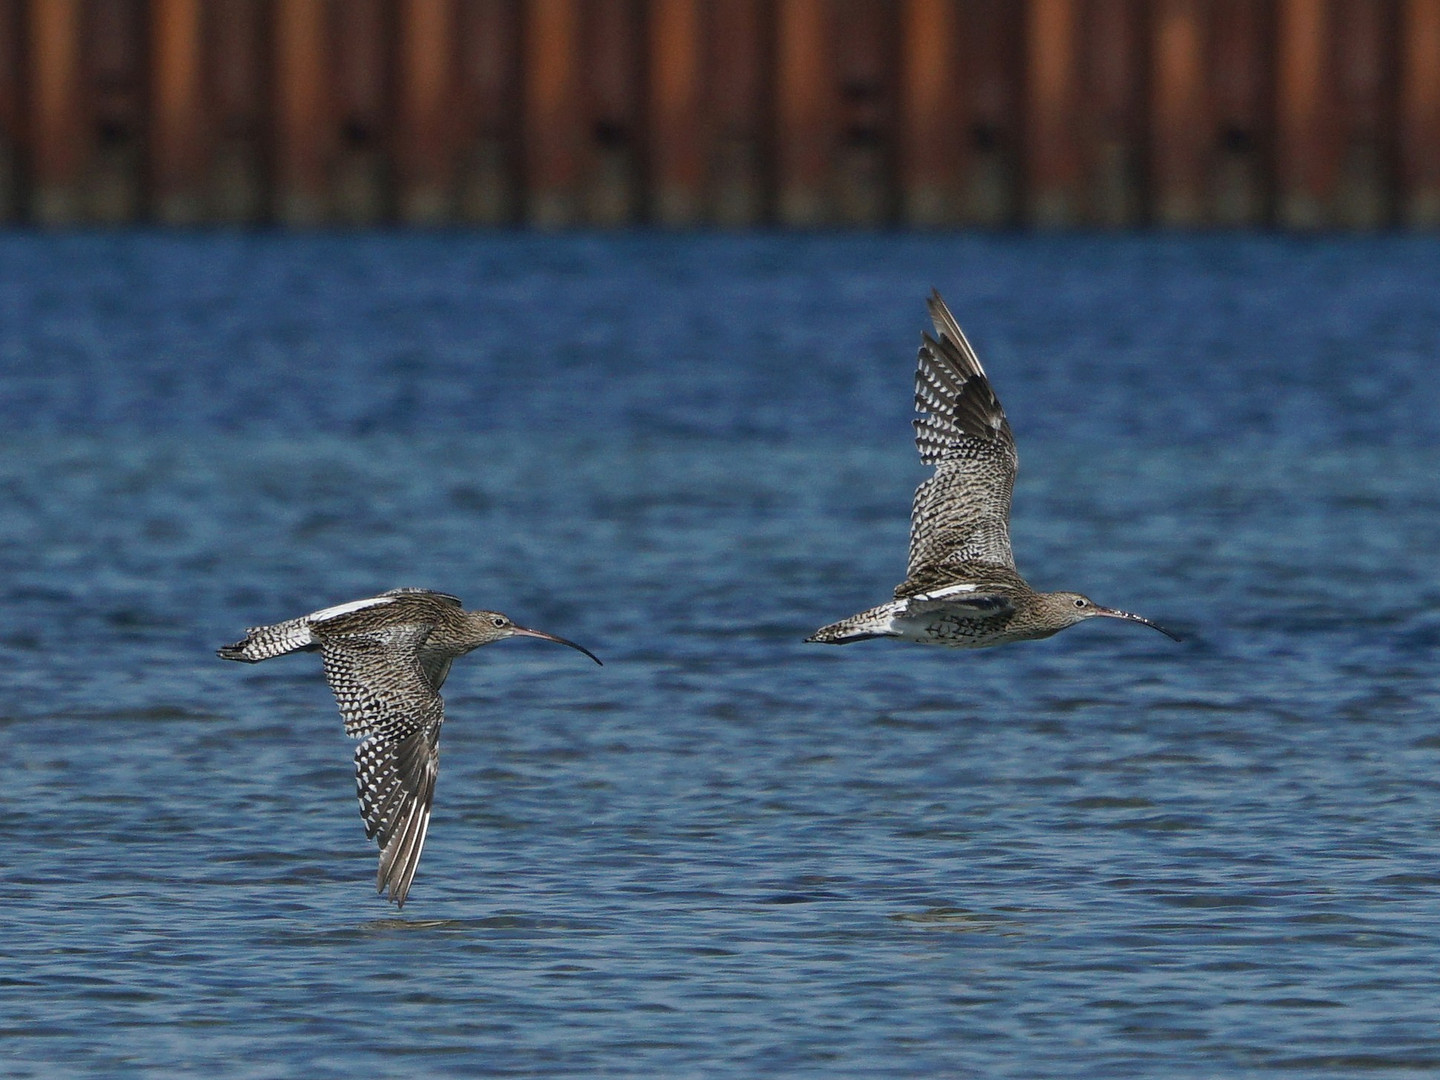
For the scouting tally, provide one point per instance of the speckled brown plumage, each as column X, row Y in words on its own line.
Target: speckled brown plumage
column 961, row 515
column 385, row 659
column 961, row 587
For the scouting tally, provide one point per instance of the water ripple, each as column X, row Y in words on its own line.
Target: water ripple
column 726, row 853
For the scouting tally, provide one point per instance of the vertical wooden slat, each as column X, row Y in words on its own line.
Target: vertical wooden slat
column 1052, row 160
column 55, row 90
column 1302, row 115
column 114, row 77
column 1112, row 39
column 991, row 59
column 302, row 79
column 739, row 56
column 929, row 114
column 357, row 117
column 489, row 90
column 804, row 112
column 177, row 123
column 1242, row 50
column 12, row 31
column 237, row 75
column 677, row 158
column 1363, row 37
column 864, row 164
column 1420, row 113
column 1181, row 125
column 611, row 120
column 552, row 128
column 427, row 95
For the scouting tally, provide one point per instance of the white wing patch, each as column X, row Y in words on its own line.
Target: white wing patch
column 949, row 590
column 335, row 612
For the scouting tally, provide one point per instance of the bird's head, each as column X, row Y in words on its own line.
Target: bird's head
column 1069, row 608
column 493, row 626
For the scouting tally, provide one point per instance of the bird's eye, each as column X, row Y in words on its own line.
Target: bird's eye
column 499, row 620
column 1079, row 602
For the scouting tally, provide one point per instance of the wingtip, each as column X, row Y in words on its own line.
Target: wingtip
column 396, row 879
column 948, row 332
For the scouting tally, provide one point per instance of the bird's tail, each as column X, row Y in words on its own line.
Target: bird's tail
column 263, row 642
column 877, row 622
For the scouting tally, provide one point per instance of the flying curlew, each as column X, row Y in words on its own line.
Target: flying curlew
column 386, row 658
column 961, row 588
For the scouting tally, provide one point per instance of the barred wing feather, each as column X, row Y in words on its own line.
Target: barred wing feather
column 962, row 513
column 388, row 701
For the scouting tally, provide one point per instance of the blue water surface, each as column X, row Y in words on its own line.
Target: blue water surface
column 725, row 853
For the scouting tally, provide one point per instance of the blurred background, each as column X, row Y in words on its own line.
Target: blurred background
column 1298, row 113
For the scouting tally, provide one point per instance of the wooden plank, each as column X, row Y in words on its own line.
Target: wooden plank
column 1241, row 54
column 612, row 117
column 929, row 113
column 739, row 58
column 551, row 131
column 115, row 87
column 356, row 118
column 866, row 55
column 490, row 86
column 677, row 133
column 58, row 140
column 12, row 31
column 1051, row 153
column 1365, row 92
column 1181, row 124
column 991, row 60
column 804, row 110
column 1112, row 125
column 301, row 83
column 177, row 122
column 237, row 77
column 1303, row 115
column 426, row 160
column 1420, row 114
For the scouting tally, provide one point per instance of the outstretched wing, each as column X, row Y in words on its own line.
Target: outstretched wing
column 395, row 780
column 387, row 701
column 962, row 513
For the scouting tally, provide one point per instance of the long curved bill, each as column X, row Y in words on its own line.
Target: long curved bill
column 522, row 631
column 1114, row 614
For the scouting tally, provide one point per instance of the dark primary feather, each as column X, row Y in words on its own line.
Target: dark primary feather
column 395, row 781
column 952, row 393
column 962, row 513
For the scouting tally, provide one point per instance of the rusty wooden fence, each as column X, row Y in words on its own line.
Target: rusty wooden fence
column 922, row 113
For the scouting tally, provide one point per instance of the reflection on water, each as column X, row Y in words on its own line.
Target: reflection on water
column 725, row 852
